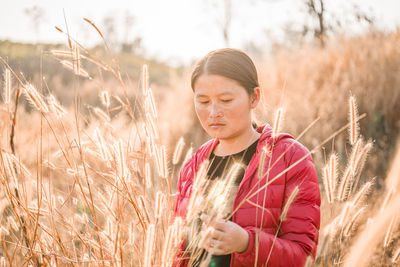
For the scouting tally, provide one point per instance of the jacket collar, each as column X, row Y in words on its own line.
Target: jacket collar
column 205, row 150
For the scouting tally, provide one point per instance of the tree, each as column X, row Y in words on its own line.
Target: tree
column 317, row 10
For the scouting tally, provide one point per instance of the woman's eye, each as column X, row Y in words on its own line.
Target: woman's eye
column 226, row 100
column 204, row 102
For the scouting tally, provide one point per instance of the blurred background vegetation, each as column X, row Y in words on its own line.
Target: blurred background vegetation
column 311, row 71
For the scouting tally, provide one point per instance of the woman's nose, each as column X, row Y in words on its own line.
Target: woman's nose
column 215, row 111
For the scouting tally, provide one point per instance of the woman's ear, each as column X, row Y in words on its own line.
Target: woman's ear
column 255, row 98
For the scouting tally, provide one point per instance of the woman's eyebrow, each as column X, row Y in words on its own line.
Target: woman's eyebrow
column 221, row 94
column 200, row 95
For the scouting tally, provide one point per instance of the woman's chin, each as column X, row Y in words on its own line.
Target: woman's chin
column 217, row 133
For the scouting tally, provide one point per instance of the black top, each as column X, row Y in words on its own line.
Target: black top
column 217, row 168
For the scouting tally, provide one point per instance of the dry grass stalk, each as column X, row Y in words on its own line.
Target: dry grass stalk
column 149, row 246
column 353, row 115
column 94, row 26
column 289, row 202
column 260, row 169
column 178, row 151
column 277, row 122
column 145, row 79
column 77, row 60
column 7, row 86
column 35, row 98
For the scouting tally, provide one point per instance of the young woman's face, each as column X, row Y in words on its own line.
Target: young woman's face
column 223, row 106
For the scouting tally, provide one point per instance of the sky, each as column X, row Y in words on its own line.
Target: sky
column 177, row 31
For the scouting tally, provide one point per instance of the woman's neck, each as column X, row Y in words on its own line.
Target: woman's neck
column 236, row 144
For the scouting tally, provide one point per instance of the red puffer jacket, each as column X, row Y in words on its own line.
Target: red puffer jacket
column 289, row 165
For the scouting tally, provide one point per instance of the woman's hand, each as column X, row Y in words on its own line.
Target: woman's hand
column 225, row 237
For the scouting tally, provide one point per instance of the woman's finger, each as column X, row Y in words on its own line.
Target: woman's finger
column 217, row 234
column 217, row 224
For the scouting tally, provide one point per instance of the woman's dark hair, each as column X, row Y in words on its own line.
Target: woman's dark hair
column 230, row 63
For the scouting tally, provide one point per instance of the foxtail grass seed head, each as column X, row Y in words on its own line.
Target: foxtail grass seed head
column 350, row 225
column 149, row 245
column 356, row 151
column 62, row 53
column 35, row 98
column 147, row 175
column 152, row 103
column 277, row 121
column 105, row 98
column 344, row 217
column 160, row 204
column 101, row 114
column 167, row 247
column 188, row 155
column 396, row 256
column 152, row 125
column 70, row 66
column 360, row 160
column 7, row 86
column 333, row 172
column 178, row 225
column 353, row 116
column 163, row 161
column 131, row 239
column 121, row 160
column 55, row 107
column 361, row 193
column 344, row 184
column 101, row 145
column 94, row 26
column 388, row 235
column 389, row 196
column 145, row 79
column 178, row 151
column 289, row 202
column 327, row 184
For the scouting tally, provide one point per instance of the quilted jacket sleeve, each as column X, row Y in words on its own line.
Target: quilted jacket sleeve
column 180, row 261
column 298, row 234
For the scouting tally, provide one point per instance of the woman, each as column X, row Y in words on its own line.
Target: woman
column 226, row 90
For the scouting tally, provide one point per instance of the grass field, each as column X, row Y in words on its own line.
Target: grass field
column 91, row 181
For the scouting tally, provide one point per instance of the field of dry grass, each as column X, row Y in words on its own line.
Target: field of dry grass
column 90, row 185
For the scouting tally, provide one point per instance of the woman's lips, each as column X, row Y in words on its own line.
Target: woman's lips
column 216, row 125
